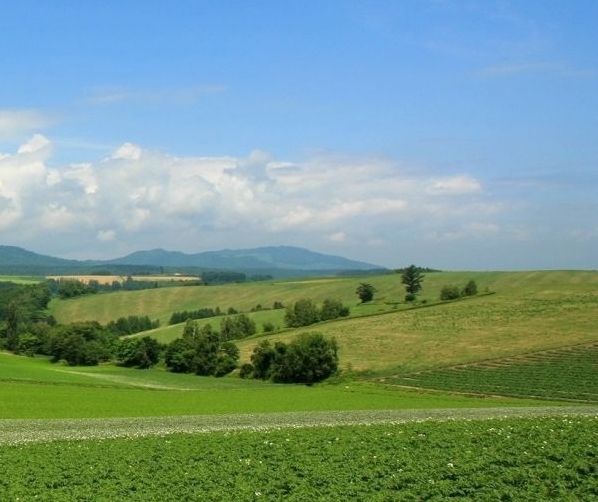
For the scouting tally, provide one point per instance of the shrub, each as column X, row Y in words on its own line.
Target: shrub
column 470, row 289
column 449, row 292
column 332, row 309
column 302, row 313
column 308, row 359
column 268, row 327
column 140, row 353
column 239, row 326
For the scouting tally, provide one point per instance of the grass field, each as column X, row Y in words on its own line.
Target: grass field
column 529, row 311
column 36, row 388
column 20, row 279
column 108, row 433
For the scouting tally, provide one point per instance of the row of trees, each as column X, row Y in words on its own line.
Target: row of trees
column 71, row 288
column 305, row 312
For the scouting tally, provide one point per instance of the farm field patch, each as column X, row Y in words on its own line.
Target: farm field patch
column 503, row 458
column 567, row 373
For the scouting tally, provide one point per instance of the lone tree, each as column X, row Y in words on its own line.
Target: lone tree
column 365, row 292
column 412, row 278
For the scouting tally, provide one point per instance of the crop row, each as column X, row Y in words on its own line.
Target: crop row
column 499, row 459
column 569, row 373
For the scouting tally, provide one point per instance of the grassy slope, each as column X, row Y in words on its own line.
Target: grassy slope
column 530, row 311
column 35, row 388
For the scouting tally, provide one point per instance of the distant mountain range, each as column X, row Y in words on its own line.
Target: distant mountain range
column 278, row 261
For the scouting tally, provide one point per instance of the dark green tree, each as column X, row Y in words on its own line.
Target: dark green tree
column 332, row 309
column 201, row 351
column 81, row 343
column 470, row 289
column 412, row 278
column 262, row 360
column 302, row 313
column 240, row 326
column 140, row 353
column 365, row 292
column 308, row 359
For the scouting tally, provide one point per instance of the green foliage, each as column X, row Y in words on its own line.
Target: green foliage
column 305, row 312
column 365, row 292
column 201, row 351
column 81, row 344
column 262, row 361
column 452, row 292
column 222, row 277
column 21, row 307
column 239, row 326
column 470, row 289
column 449, row 292
column 549, row 458
column 410, row 297
column 71, row 288
column 202, row 313
column 308, row 359
column 302, row 313
column 412, row 278
column 131, row 325
column 268, row 327
column 140, row 353
column 333, row 309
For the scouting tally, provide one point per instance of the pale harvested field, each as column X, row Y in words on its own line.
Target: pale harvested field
column 109, row 279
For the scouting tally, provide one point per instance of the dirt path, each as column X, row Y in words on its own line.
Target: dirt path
column 19, row 431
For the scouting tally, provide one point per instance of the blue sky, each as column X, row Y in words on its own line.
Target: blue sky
column 449, row 133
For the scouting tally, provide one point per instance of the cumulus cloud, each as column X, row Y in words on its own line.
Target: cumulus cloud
column 138, row 198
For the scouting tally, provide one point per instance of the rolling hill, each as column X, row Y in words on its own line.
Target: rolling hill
column 279, row 261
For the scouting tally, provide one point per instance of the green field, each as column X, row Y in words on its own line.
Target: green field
column 36, row 388
column 501, row 459
column 529, row 311
column 424, row 390
column 570, row 373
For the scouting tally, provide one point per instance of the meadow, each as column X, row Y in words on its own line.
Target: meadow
column 37, row 389
column 486, row 398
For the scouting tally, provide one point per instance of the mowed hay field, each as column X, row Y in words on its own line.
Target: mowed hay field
column 525, row 312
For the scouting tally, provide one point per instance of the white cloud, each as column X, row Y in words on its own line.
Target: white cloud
column 455, row 185
column 127, row 151
column 14, row 123
column 106, row 235
column 153, row 199
column 338, row 237
column 36, row 143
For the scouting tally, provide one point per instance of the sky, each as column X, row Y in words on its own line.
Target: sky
column 453, row 134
